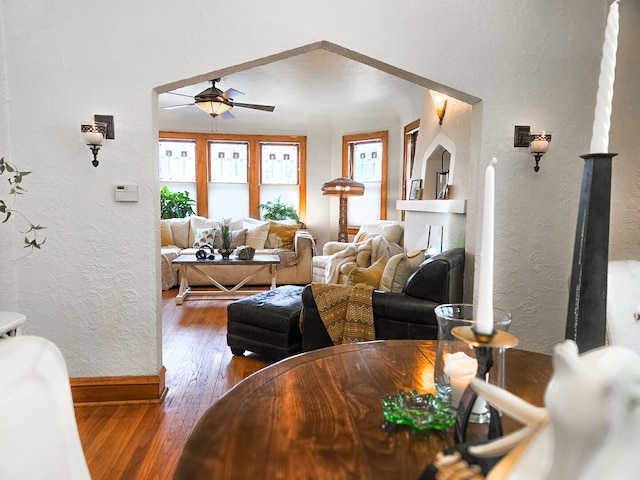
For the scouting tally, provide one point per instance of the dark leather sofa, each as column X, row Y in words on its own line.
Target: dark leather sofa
column 406, row 315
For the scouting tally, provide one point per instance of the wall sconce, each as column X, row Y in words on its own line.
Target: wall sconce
column 440, row 103
column 95, row 132
column 538, row 145
column 538, row 142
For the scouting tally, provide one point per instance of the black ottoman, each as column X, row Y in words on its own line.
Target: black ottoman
column 266, row 323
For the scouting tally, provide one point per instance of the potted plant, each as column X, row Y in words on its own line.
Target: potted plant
column 15, row 179
column 175, row 204
column 225, row 250
column 276, row 210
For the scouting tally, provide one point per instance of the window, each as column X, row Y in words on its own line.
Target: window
column 279, row 173
column 364, row 159
column 178, row 166
column 177, row 161
column 228, row 162
column 279, row 163
column 228, row 188
column 233, row 174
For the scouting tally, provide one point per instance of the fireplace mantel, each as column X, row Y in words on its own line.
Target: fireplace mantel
column 434, row 206
column 420, row 214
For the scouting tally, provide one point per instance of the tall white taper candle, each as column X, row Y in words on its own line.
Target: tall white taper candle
column 484, row 322
column 602, row 119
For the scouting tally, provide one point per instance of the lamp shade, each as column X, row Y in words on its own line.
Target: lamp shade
column 440, row 104
column 94, row 133
column 343, row 186
column 539, row 142
column 215, row 107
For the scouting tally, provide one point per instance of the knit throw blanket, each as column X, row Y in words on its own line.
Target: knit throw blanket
column 346, row 311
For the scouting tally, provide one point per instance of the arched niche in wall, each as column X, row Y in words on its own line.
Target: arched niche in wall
column 440, row 156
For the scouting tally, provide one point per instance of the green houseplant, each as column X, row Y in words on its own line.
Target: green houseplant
column 175, row 204
column 276, row 210
column 15, row 188
column 225, row 250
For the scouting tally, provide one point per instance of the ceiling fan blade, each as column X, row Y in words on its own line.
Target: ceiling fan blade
column 266, row 108
column 231, row 93
column 227, row 115
column 171, row 107
column 181, row 94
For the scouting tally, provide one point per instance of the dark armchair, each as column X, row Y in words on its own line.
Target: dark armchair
column 406, row 315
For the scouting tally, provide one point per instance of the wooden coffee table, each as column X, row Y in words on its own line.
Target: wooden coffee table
column 319, row 415
column 185, row 262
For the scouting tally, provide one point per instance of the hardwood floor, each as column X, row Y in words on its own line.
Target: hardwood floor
column 144, row 441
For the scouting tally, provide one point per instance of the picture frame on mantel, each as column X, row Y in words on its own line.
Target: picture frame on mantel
column 415, row 190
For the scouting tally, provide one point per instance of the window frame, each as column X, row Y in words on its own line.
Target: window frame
column 411, row 132
column 202, row 165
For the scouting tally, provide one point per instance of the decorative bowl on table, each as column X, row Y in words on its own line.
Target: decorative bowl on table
column 225, row 252
column 420, row 412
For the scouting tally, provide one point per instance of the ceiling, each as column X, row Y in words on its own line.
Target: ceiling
column 310, row 87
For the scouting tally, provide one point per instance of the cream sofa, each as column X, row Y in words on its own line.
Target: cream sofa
column 293, row 245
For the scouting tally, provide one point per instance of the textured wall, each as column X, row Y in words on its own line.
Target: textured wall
column 625, row 185
column 95, row 290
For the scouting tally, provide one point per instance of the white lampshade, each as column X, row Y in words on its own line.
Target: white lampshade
column 214, row 107
column 94, row 132
column 539, row 142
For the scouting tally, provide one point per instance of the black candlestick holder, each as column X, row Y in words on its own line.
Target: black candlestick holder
column 484, row 345
column 587, row 312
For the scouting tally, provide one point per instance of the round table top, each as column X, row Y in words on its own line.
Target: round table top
column 319, row 415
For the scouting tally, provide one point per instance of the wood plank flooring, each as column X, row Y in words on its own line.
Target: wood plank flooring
column 144, row 441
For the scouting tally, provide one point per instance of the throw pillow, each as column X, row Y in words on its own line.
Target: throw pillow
column 196, row 222
column 180, row 232
column 369, row 276
column 238, row 237
column 398, row 269
column 281, row 236
column 205, row 236
column 257, row 233
column 166, row 237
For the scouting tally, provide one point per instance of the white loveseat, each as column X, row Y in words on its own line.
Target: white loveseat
column 293, row 245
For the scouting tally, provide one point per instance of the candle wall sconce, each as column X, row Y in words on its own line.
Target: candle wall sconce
column 440, row 103
column 538, row 142
column 538, row 145
column 95, row 132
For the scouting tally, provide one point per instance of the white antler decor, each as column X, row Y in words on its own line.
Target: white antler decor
column 589, row 427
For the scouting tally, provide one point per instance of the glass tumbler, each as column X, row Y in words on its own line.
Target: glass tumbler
column 455, row 359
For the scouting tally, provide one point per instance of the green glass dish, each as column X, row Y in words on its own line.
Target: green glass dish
column 420, row 412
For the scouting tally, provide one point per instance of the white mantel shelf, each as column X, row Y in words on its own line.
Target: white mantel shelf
column 434, row 206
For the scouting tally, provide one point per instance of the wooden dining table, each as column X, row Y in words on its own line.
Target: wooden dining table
column 318, row 415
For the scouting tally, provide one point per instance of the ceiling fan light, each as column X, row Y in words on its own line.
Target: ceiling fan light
column 214, row 107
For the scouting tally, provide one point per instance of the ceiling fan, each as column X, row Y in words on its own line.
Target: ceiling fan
column 218, row 103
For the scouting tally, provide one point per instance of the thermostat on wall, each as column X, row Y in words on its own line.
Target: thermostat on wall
column 126, row 193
